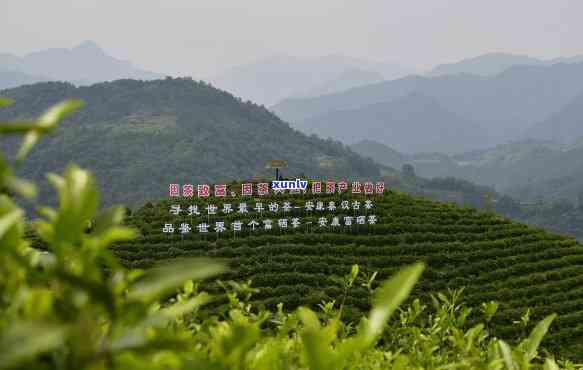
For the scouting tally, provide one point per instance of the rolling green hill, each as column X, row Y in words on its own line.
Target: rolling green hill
column 138, row 137
column 495, row 259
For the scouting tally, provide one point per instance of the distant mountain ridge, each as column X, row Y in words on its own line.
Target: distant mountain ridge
column 494, row 63
column 506, row 104
column 272, row 79
column 348, row 79
column 414, row 123
column 86, row 63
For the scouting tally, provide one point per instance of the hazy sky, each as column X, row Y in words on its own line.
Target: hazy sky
column 197, row 37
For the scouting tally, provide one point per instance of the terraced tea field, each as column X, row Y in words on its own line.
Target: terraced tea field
column 493, row 258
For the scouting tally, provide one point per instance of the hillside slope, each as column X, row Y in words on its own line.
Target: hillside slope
column 494, row 258
column 564, row 126
column 138, row 137
column 414, row 123
column 380, row 153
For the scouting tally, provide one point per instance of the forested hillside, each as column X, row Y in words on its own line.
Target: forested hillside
column 414, row 123
column 528, row 170
column 138, row 137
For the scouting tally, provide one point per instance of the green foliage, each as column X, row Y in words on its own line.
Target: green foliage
column 5, row 102
column 74, row 306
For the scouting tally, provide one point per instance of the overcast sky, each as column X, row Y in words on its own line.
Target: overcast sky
column 196, row 37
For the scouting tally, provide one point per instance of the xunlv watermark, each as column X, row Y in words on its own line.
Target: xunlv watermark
column 290, row 184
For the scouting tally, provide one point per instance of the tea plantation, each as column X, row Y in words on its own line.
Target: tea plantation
column 491, row 257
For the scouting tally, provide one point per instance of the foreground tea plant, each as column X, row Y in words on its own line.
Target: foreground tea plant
column 73, row 306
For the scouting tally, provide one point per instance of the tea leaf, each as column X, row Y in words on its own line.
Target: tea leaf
column 160, row 280
column 536, row 336
column 506, row 355
column 388, row 297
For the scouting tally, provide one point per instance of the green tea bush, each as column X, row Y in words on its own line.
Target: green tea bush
column 73, row 306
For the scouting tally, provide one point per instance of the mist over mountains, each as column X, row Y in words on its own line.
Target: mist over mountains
column 272, row 79
column 468, row 119
column 472, row 119
column 12, row 78
column 506, row 105
column 346, row 80
column 413, row 123
column 494, row 63
column 84, row 64
column 564, row 126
